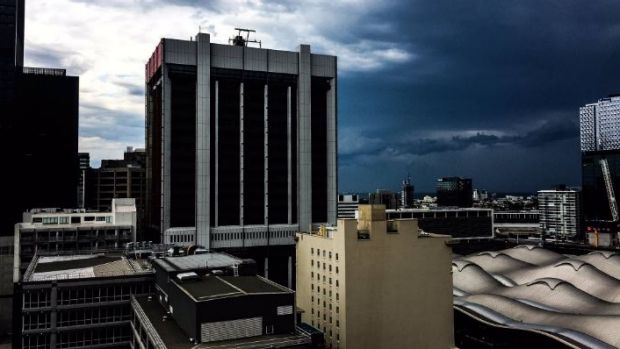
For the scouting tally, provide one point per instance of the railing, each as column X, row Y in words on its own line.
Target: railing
column 44, row 71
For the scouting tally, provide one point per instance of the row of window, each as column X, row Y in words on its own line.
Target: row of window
column 325, row 266
column 318, row 277
column 72, row 219
column 325, row 253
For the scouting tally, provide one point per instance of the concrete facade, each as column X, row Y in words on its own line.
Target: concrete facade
column 373, row 283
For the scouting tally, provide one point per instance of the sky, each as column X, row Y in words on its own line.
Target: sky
column 478, row 88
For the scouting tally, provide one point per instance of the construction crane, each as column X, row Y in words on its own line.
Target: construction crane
column 609, row 186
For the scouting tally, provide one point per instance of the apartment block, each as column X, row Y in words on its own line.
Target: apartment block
column 373, row 283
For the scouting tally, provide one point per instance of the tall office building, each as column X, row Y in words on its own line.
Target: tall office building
column 454, row 191
column 560, row 212
column 406, row 193
column 599, row 125
column 38, row 128
column 374, row 283
column 241, row 142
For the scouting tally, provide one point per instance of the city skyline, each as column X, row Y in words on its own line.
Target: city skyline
column 460, row 94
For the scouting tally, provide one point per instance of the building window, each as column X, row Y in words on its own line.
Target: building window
column 337, row 323
column 336, row 270
column 330, row 254
column 336, row 256
column 312, row 250
column 312, row 274
column 330, row 281
column 337, row 296
column 63, row 220
column 312, row 287
column 312, row 311
column 337, row 310
column 337, row 283
column 323, row 253
column 312, row 262
column 330, row 267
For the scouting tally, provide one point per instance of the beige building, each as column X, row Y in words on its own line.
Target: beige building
column 373, row 283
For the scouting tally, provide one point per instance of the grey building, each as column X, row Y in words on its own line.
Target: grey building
column 241, row 143
column 454, row 191
column 384, row 197
column 406, row 193
column 560, row 213
column 599, row 123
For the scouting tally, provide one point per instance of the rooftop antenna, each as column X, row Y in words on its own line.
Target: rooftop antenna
column 240, row 40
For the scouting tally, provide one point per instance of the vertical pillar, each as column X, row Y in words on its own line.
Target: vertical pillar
column 266, row 153
column 203, row 139
column 266, row 267
column 304, row 137
column 53, row 314
column 290, row 272
column 217, row 151
column 241, row 154
column 289, row 155
column 165, row 154
column 332, row 149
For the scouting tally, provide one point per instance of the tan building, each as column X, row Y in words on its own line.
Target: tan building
column 373, row 283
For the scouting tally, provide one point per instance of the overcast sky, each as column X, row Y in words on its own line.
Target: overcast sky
column 480, row 88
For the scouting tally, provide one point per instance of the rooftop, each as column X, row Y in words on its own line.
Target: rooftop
column 213, row 287
column 172, row 336
column 82, row 267
column 212, row 260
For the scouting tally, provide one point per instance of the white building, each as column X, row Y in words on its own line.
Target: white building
column 560, row 212
column 599, row 125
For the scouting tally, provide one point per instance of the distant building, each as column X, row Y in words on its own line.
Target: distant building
column 454, row 191
column 480, row 195
column 406, row 193
column 122, row 178
column 215, row 300
column 373, row 283
column 38, row 127
column 560, row 213
column 79, row 301
column 347, row 205
column 83, row 167
column 460, row 223
column 599, row 125
column 55, row 231
column 512, row 223
column 384, row 197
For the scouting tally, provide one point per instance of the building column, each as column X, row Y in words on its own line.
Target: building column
column 203, row 139
column 166, row 149
column 217, row 153
column 241, row 169
column 290, row 272
column 304, row 139
column 266, row 269
column 332, row 151
column 266, row 153
column 289, row 155
column 53, row 314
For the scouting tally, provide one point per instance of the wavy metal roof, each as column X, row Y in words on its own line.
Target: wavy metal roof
column 570, row 298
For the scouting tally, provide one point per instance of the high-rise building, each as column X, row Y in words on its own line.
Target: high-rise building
column 599, row 124
column 560, row 213
column 374, row 283
column 454, row 191
column 241, row 144
column 38, row 127
column 406, row 193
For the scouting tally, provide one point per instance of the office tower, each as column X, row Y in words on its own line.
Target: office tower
column 454, row 191
column 460, row 223
column 560, row 213
column 79, row 301
column 54, row 231
column 600, row 165
column 38, row 128
column 241, row 144
column 406, row 193
column 384, row 197
column 374, row 283
column 347, row 205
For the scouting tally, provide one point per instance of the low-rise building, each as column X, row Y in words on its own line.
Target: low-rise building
column 55, row 231
column 460, row 223
column 374, row 283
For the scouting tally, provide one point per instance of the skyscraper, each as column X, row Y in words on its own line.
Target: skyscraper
column 599, row 125
column 241, row 142
column 38, row 127
column 454, row 191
